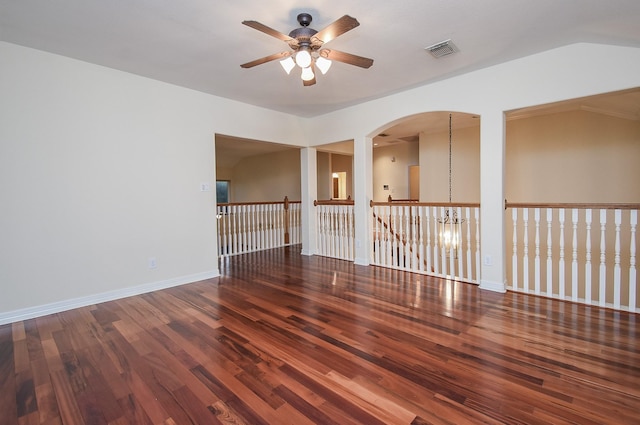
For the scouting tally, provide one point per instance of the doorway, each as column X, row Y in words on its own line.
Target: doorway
column 339, row 185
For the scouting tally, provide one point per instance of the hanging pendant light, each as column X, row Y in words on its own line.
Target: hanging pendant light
column 450, row 234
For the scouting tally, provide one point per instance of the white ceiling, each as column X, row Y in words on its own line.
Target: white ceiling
column 200, row 44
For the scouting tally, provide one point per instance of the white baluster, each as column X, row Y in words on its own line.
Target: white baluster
column 376, row 235
column 427, row 226
column 549, row 253
column 338, row 222
column 478, row 262
column 388, row 236
column 332, row 230
column 264, row 222
column 405, row 238
column 420, row 229
column 239, row 228
column 234, row 248
column 352, row 252
column 574, row 255
column 279, row 227
column 443, row 251
column 263, row 227
column 617, row 272
column 399, row 228
column 477, row 234
column 326, row 216
column 514, row 258
column 414, row 239
column 467, row 214
column 219, row 227
column 345, row 237
column 561, row 270
column 247, row 228
column 587, row 267
column 225, row 233
column 536, row 261
column 267, row 226
column 525, row 250
column 458, row 257
column 633, row 220
column 272, row 221
column 323, row 229
column 394, row 233
column 319, row 229
column 410, row 251
column 452, row 250
column 603, row 256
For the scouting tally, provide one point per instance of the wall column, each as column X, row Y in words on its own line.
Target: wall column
column 363, row 194
column 308, row 194
column 492, row 214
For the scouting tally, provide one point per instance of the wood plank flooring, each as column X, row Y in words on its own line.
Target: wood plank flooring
column 282, row 338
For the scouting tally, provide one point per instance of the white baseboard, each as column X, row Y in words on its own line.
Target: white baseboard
column 362, row 261
column 57, row 307
column 493, row 286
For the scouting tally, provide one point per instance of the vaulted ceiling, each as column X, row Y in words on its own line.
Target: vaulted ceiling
column 200, row 44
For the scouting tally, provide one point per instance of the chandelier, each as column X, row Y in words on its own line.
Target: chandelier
column 450, row 234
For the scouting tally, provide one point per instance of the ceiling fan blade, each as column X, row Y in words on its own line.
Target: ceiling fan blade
column 348, row 58
column 339, row 27
column 267, row 30
column 275, row 56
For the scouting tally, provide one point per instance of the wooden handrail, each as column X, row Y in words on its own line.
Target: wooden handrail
column 577, row 205
column 285, row 202
column 390, row 199
column 426, row 204
column 347, row 201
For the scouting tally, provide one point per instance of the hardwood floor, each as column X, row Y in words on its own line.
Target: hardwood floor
column 282, row 338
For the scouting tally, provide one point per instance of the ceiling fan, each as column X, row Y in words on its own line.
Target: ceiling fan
column 306, row 47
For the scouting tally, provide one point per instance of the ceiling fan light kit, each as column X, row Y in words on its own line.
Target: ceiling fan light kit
column 288, row 64
column 306, row 47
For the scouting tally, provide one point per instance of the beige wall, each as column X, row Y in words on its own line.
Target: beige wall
column 343, row 163
column 268, row 177
column 223, row 173
column 465, row 166
column 324, row 175
column 575, row 156
column 391, row 167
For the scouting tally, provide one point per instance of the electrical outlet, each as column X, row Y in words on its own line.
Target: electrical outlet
column 488, row 261
column 153, row 263
column 205, row 187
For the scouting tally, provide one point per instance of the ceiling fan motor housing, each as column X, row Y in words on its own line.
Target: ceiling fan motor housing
column 304, row 19
column 303, row 35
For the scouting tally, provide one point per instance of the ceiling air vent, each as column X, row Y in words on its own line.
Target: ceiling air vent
column 444, row 48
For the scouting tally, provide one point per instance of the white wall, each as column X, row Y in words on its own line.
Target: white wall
column 568, row 72
column 101, row 170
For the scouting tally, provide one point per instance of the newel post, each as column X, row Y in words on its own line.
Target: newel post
column 286, row 220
